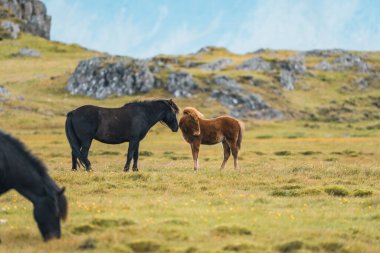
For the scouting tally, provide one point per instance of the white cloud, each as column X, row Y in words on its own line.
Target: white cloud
column 120, row 34
column 300, row 25
column 183, row 39
column 277, row 24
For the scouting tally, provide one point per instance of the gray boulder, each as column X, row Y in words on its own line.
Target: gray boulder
column 324, row 53
column 295, row 64
column 324, row 66
column 226, row 82
column 99, row 79
column 28, row 52
column 13, row 29
column 181, row 84
column 32, row 13
column 287, row 79
column 4, row 91
column 255, row 64
column 242, row 104
column 190, row 64
column 362, row 83
column 4, row 94
column 349, row 61
column 216, row 65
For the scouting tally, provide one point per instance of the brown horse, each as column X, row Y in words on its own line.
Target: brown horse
column 197, row 130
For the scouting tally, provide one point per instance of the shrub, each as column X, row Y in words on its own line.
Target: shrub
column 144, row 246
column 283, row 153
column 362, row 193
column 338, row 191
column 290, row 246
column 232, row 230
column 146, row 153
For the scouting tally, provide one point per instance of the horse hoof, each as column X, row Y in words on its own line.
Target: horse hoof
column 135, row 169
column 126, row 170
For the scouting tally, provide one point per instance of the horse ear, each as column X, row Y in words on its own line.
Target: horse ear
column 63, row 189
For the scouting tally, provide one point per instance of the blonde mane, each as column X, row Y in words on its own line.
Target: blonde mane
column 193, row 112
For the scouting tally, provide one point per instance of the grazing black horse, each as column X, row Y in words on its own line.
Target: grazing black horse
column 23, row 172
column 129, row 123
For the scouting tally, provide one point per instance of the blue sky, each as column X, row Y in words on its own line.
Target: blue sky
column 144, row 28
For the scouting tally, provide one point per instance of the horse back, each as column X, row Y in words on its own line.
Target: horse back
column 107, row 125
column 216, row 130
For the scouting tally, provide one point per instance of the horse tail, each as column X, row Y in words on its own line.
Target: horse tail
column 240, row 135
column 73, row 139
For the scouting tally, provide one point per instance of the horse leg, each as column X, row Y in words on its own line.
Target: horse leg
column 235, row 152
column 73, row 161
column 84, row 152
column 131, row 151
column 195, row 151
column 136, row 158
column 227, row 153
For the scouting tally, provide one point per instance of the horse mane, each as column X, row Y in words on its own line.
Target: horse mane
column 40, row 168
column 20, row 147
column 169, row 102
column 193, row 113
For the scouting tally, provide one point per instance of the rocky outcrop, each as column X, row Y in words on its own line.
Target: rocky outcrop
column 216, row 65
column 351, row 62
column 104, row 77
column 287, row 79
column 226, row 82
column 31, row 14
column 10, row 30
column 370, row 81
column 324, row 53
column 295, row 65
column 345, row 62
column 324, row 66
column 240, row 102
column 211, row 49
column 99, row 79
column 181, row 84
column 255, row 64
column 245, row 105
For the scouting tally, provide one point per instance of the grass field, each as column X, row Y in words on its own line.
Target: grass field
column 302, row 187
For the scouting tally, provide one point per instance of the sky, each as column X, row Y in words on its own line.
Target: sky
column 145, row 28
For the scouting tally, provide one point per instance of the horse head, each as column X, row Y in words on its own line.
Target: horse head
column 193, row 116
column 49, row 210
column 170, row 117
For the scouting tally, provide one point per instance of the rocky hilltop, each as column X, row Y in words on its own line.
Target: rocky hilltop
column 24, row 15
column 261, row 85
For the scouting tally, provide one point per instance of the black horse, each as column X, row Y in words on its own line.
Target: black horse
column 23, row 172
column 129, row 123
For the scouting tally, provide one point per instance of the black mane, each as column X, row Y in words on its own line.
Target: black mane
column 145, row 102
column 37, row 163
column 149, row 102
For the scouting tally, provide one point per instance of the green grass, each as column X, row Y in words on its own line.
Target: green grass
column 303, row 186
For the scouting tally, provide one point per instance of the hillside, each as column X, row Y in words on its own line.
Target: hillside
column 318, row 153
